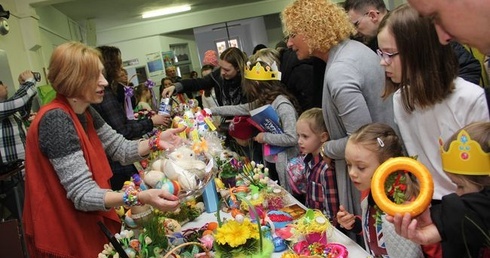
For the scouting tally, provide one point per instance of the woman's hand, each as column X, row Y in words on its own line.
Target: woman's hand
column 169, row 138
column 420, row 230
column 167, row 92
column 161, row 120
column 345, row 219
column 159, row 199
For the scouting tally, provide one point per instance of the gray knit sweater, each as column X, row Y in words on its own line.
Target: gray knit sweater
column 58, row 140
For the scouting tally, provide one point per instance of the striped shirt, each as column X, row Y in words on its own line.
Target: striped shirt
column 12, row 130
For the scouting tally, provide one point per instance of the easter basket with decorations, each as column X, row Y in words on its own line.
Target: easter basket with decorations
column 241, row 237
column 311, row 233
column 185, row 171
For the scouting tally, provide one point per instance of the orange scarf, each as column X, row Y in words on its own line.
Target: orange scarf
column 53, row 227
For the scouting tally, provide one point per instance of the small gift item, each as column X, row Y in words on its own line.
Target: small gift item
column 314, row 226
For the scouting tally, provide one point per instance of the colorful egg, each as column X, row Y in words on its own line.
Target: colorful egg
column 171, row 186
column 279, row 244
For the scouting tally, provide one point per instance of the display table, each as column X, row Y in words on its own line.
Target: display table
column 337, row 237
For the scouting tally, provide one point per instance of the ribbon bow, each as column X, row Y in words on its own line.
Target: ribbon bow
column 128, row 105
column 150, row 84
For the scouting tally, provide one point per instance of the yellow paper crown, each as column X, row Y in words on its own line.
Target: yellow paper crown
column 465, row 156
column 260, row 73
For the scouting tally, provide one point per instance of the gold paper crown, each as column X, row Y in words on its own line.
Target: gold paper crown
column 465, row 156
column 260, row 73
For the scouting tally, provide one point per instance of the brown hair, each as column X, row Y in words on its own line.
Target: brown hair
column 383, row 140
column 111, row 58
column 73, row 67
column 139, row 90
column 324, row 24
column 314, row 116
column 428, row 68
column 265, row 92
column 479, row 132
column 235, row 57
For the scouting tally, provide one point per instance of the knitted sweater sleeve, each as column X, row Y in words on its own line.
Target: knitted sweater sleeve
column 288, row 116
column 59, row 141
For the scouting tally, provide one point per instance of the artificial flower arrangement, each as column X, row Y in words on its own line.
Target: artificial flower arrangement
column 150, row 242
column 143, row 114
column 240, row 237
column 229, row 165
column 265, row 194
column 309, row 236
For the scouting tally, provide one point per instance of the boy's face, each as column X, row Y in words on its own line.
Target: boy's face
column 463, row 186
column 309, row 141
column 361, row 164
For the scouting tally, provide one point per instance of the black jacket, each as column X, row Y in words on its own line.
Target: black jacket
column 303, row 78
column 228, row 92
column 463, row 222
column 469, row 66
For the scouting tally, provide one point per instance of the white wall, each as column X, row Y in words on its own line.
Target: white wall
column 139, row 48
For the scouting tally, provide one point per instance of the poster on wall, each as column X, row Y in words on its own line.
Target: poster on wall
column 168, row 58
column 233, row 43
column 131, row 62
column 154, row 63
column 222, row 45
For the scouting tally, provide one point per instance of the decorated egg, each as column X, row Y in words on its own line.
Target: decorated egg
column 279, row 244
column 171, row 226
column 171, row 186
column 119, row 210
column 129, row 221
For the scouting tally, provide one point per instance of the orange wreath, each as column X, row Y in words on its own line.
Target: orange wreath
column 422, row 174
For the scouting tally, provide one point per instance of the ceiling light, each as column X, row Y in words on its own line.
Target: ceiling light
column 167, row 11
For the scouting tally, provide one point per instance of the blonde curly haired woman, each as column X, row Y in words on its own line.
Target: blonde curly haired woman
column 353, row 83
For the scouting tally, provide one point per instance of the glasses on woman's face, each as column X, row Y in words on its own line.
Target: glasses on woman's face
column 289, row 36
column 387, row 57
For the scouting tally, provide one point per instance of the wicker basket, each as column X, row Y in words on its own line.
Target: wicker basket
column 175, row 249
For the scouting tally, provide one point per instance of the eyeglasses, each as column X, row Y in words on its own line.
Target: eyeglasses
column 386, row 56
column 356, row 23
column 289, row 36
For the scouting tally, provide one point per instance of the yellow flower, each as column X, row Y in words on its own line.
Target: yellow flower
column 235, row 234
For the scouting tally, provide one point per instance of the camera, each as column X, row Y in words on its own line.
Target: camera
column 37, row 76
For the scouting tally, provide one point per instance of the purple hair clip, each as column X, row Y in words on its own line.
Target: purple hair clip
column 149, row 83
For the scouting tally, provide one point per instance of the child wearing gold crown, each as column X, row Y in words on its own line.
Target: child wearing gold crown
column 262, row 84
column 461, row 221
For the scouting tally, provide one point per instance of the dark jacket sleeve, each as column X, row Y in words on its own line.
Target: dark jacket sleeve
column 113, row 113
column 469, row 66
column 205, row 83
column 464, row 230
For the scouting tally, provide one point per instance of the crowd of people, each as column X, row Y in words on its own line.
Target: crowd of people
column 351, row 90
